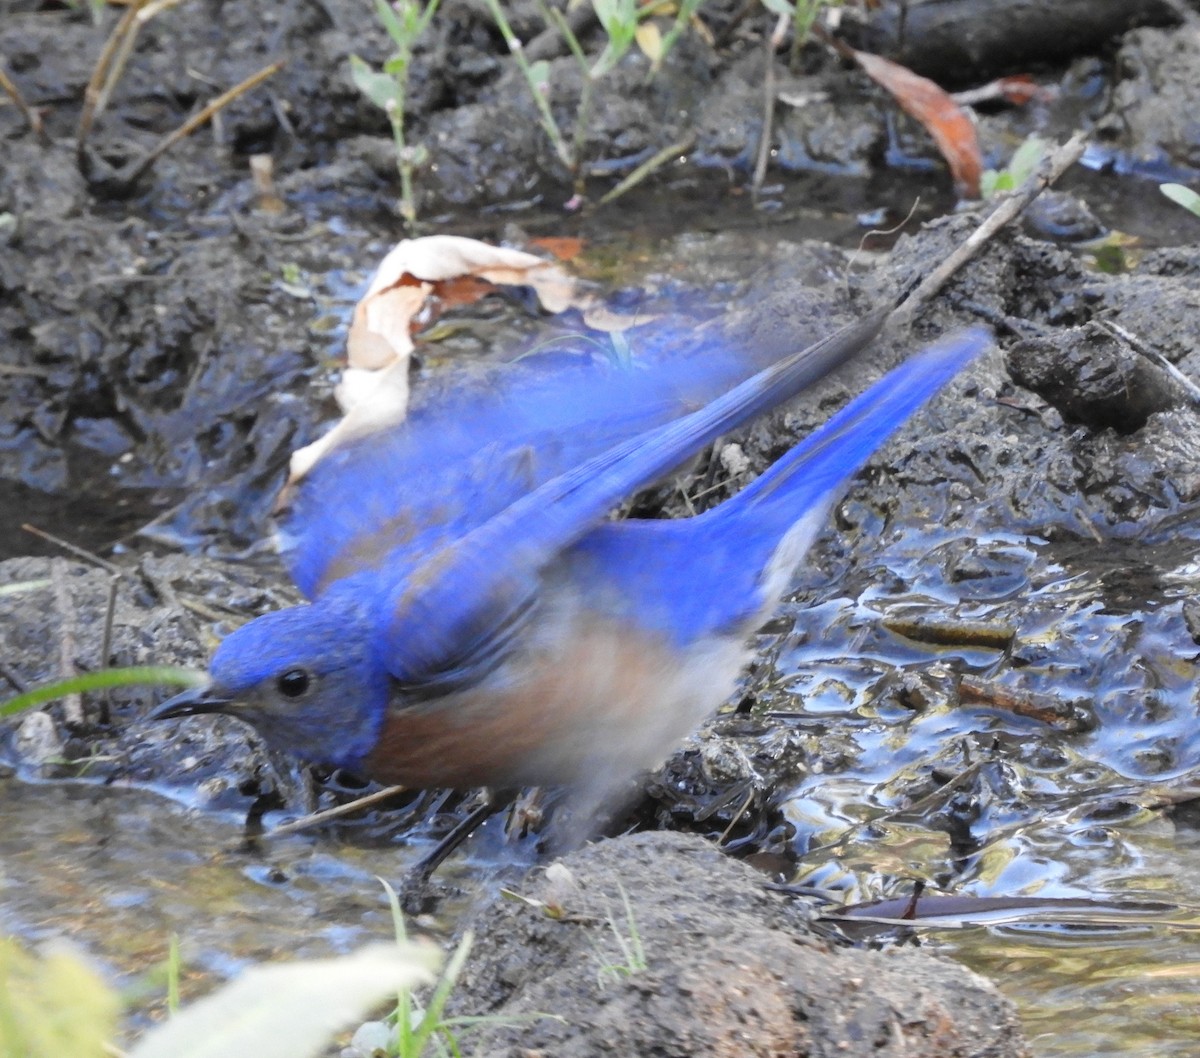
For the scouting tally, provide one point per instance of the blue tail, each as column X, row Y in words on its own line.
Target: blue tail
column 838, row 449
column 718, row 571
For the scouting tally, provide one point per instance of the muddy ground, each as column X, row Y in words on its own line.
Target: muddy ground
column 167, row 344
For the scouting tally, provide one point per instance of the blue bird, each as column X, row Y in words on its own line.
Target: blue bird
column 477, row 618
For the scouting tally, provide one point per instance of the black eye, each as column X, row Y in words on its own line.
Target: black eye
column 293, row 683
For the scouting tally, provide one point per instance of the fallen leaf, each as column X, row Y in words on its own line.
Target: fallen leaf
column 415, row 282
column 950, row 126
column 563, row 247
column 649, row 41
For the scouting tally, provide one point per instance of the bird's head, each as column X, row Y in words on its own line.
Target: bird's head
column 305, row 678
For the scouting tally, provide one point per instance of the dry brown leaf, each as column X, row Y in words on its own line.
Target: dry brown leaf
column 373, row 391
column 947, row 122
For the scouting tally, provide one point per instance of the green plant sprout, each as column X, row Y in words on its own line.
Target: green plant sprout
column 387, row 87
column 174, row 974
column 1025, row 160
column 411, row 1030
column 803, row 13
column 128, row 676
column 629, row 942
column 537, row 77
column 620, row 20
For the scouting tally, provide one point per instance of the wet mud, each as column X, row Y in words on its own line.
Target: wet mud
column 166, row 345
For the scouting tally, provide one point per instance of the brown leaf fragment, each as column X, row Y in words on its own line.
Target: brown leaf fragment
column 950, row 126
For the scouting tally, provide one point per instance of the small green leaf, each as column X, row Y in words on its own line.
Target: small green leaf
column 539, row 75
column 378, row 87
column 779, row 7
column 391, row 23
column 1026, row 159
column 396, row 67
column 1183, row 196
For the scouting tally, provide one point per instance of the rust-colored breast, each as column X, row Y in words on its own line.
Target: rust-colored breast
column 595, row 701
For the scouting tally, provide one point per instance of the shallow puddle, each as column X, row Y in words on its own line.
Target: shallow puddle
column 975, row 801
column 120, row 871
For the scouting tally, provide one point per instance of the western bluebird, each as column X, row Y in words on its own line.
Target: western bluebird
column 477, row 620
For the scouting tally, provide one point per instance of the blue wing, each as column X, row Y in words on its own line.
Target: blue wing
column 688, row 578
column 457, row 610
column 375, row 509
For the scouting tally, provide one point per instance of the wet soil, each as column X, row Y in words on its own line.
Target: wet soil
column 760, row 978
column 166, row 345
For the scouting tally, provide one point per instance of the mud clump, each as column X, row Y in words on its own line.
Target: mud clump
column 755, row 980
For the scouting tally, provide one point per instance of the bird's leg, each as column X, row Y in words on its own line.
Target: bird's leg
column 415, row 897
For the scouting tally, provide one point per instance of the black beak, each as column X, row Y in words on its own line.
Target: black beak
column 202, row 699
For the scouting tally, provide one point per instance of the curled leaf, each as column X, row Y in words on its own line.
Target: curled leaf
column 415, row 281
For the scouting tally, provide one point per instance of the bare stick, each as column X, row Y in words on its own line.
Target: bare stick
column 193, row 123
column 1155, row 357
column 768, row 119
column 31, row 115
column 649, row 166
column 316, row 818
column 72, row 703
column 1047, row 173
column 111, row 65
column 110, row 612
column 94, row 94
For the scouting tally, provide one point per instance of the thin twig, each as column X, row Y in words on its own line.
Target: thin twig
column 768, row 119
column 72, row 703
column 94, row 95
column 106, row 639
column 111, row 66
column 649, row 166
column 10, row 674
column 1047, row 173
column 1154, row 356
column 736, row 817
column 915, row 809
column 72, row 549
column 316, row 818
column 188, row 127
column 31, row 115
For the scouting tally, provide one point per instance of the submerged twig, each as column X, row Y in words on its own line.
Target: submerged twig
column 317, row 818
column 649, row 166
column 1073, row 717
column 953, row 632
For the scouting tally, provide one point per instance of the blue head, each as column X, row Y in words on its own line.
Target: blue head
column 306, row 679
